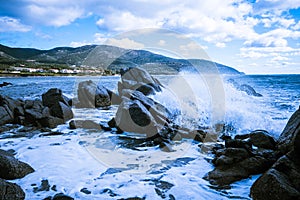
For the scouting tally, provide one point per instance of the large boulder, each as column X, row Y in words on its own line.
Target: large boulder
column 138, row 79
column 53, row 96
column 140, row 114
column 10, row 191
column 7, row 109
column 289, row 133
column 282, row 180
column 91, row 95
column 11, row 168
column 277, row 185
column 262, row 139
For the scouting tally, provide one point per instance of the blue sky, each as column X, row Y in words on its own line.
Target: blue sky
column 253, row 36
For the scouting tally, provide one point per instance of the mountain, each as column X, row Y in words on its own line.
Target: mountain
column 111, row 57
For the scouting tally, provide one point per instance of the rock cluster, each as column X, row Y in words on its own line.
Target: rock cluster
column 259, row 153
column 54, row 109
column 238, row 159
column 282, row 180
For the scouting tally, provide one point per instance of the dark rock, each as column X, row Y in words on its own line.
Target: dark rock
column 242, row 137
column 274, row 185
column 86, row 124
column 85, row 191
column 10, row 191
column 140, row 80
column 5, row 116
column 62, row 111
column 282, row 180
column 238, row 144
column 7, row 107
column 45, row 186
column 61, row 196
column 249, row 90
column 140, row 114
column 11, row 168
column 5, row 84
column 289, row 133
column 91, row 95
column 53, row 96
column 262, row 139
column 51, row 122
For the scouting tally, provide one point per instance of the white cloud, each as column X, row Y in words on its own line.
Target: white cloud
column 53, row 16
column 161, row 42
column 79, row 44
column 125, row 43
column 9, row 24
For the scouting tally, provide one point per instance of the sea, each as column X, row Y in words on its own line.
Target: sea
column 96, row 164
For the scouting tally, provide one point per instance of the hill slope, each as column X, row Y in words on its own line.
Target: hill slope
column 110, row 57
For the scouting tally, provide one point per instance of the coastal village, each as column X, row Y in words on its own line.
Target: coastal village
column 32, row 68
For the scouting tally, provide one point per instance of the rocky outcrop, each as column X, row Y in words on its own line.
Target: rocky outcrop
column 10, row 191
column 238, row 160
column 54, row 109
column 282, row 180
column 91, row 95
column 138, row 79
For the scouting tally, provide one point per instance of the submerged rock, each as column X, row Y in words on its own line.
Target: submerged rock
column 245, row 88
column 10, row 191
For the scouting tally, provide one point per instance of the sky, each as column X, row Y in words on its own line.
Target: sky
column 253, row 36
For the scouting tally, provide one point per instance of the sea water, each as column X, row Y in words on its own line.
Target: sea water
column 99, row 162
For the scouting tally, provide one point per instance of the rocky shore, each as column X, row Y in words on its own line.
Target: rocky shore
column 277, row 159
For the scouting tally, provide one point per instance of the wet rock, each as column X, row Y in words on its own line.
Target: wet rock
column 5, row 116
column 45, row 186
column 85, row 191
column 86, row 124
column 140, row 114
column 53, row 96
column 7, row 107
column 133, row 198
column 10, row 191
column 245, row 88
column 62, row 111
column 61, row 196
column 91, row 95
column 5, row 84
column 140, row 80
column 262, row 139
column 249, row 90
column 282, row 180
column 11, row 168
column 289, row 133
column 274, row 185
column 237, row 160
